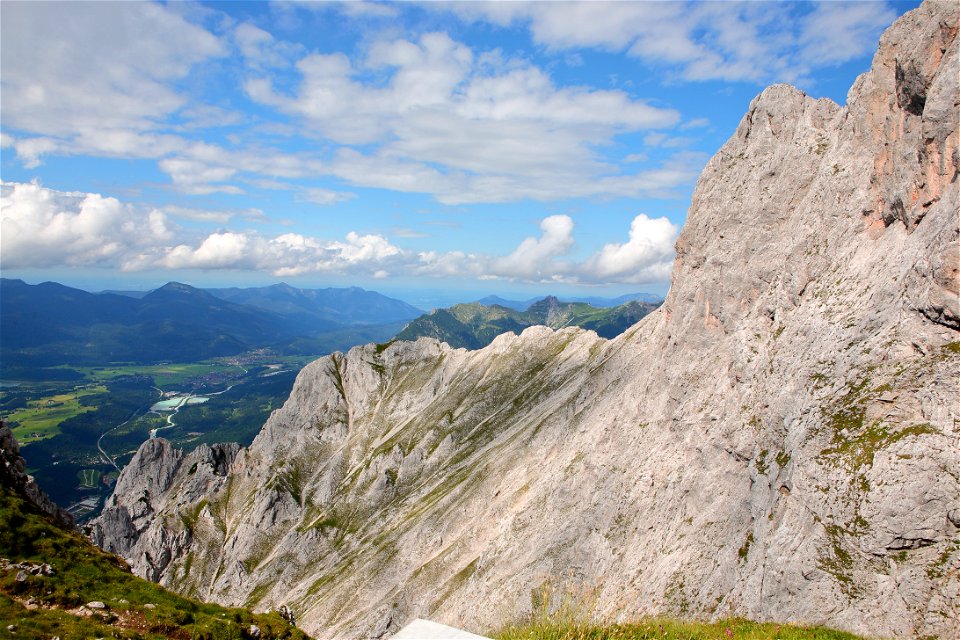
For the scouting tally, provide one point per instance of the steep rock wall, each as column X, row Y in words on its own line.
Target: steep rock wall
column 780, row 440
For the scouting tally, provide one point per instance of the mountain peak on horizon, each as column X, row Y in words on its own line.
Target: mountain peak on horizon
column 174, row 285
column 549, row 299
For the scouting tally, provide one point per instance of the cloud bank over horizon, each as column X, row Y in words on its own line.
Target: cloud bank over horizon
column 43, row 227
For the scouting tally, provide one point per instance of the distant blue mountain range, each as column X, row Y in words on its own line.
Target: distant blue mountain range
column 523, row 305
column 50, row 324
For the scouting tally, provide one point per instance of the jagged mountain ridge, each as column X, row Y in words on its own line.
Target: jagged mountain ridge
column 778, row 440
column 596, row 301
column 474, row 325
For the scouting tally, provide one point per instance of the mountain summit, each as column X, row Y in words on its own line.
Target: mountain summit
column 777, row 441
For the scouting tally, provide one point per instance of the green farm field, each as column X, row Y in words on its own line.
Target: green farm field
column 41, row 418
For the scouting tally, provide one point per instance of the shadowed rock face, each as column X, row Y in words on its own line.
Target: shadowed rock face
column 136, row 519
column 778, row 441
column 13, row 474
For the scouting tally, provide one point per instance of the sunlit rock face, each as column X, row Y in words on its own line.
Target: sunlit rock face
column 780, row 440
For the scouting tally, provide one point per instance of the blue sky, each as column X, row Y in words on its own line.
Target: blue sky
column 462, row 148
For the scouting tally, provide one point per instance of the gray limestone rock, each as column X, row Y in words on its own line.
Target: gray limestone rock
column 166, row 481
column 778, row 441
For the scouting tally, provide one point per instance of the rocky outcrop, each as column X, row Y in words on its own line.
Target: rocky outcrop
column 151, row 516
column 779, row 440
column 13, row 475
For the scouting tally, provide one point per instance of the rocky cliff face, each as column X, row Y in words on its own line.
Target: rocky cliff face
column 780, row 440
column 13, row 474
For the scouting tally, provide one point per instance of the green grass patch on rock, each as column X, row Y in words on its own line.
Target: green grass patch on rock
column 561, row 610
column 859, row 448
column 667, row 629
column 82, row 573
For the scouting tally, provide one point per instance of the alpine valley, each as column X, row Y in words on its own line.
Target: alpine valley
column 83, row 373
column 778, row 441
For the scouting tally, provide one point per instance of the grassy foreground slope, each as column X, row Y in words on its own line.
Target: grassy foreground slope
column 666, row 629
column 45, row 606
column 564, row 612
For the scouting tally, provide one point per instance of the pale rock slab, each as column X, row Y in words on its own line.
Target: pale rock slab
column 780, row 440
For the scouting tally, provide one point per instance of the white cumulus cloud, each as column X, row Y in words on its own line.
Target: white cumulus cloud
column 43, row 227
column 646, row 257
column 290, row 254
column 260, row 49
column 535, row 258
